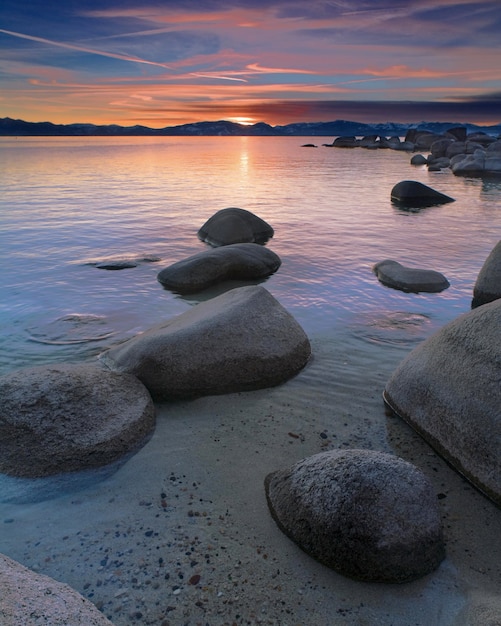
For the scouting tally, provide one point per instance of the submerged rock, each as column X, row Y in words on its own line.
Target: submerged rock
column 31, row 599
column 239, row 261
column 241, row 340
column 235, row 225
column 369, row 515
column 69, row 417
column 448, row 390
column 411, row 193
column 487, row 287
column 397, row 276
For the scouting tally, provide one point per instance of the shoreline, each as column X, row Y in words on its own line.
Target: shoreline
column 181, row 533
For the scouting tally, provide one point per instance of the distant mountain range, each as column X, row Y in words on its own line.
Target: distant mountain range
column 20, row 128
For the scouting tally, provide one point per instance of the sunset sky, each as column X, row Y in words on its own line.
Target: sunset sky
column 164, row 63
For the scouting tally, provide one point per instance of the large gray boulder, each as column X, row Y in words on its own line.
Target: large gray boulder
column 69, row 417
column 448, row 390
column 487, row 287
column 234, row 225
column 410, row 193
column 410, row 279
column 369, row 515
column 239, row 261
column 241, row 340
column 31, row 599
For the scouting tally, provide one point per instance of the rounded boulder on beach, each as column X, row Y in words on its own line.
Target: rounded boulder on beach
column 368, row 515
column 241, row 340
column 448, row 390
column 70, row 417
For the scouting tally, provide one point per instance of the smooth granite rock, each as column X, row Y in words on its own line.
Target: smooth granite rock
column 411, row 193
column 31, row 599
column 369, row 515
column 448, row 390
column 241, row 340
column 239, row 261
column 233, row 225
column 409, row 279
column 69, row 417
column 487, row 287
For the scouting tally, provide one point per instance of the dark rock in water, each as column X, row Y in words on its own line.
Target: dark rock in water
column 439, row 147
column 410, row 193
column 239, row 261
column 309, row 145
column 369, row 515
column 241, row 340
column 346, row 142
column 419, row 159
column 122, row 264
column 435, row 164
column 235, row 225
column 31, row 599
column 448, row 390
column 393, row 274
column 487, row 287
column 69, row 417
column 116, row 265
column 458, row 132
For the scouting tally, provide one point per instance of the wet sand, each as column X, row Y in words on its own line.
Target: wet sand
column 181, row 534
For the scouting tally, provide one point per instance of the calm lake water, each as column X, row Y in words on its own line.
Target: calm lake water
column 191, row 501
column 71, row 202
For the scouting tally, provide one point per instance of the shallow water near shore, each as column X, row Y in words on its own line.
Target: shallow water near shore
column 180, row 533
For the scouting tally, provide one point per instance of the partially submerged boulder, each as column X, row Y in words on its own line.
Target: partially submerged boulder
column 239, row 261
column 410, row 193
column 419, row 159
column 448, row 390
column 31, row 599
column 241, row 340
column 414, row 280
column 487, row 287
column 233, row 225
column 369, row 515
column 70, row 417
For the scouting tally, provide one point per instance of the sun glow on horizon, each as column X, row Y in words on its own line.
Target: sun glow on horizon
column 244, row 121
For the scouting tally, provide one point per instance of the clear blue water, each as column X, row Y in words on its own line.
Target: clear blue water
column 191, row 501
column 69, row 202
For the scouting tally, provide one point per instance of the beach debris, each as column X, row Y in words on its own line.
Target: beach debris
column 411, row 193
column 487, row 287
column 234, row 225
column 68, row 417
column 241, row 340
column 448, row 390
column 239, row 261
column 368, row 515
column 32, row 598
column 409, row 279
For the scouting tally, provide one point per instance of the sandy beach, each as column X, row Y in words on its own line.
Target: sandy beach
column 181, row 534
